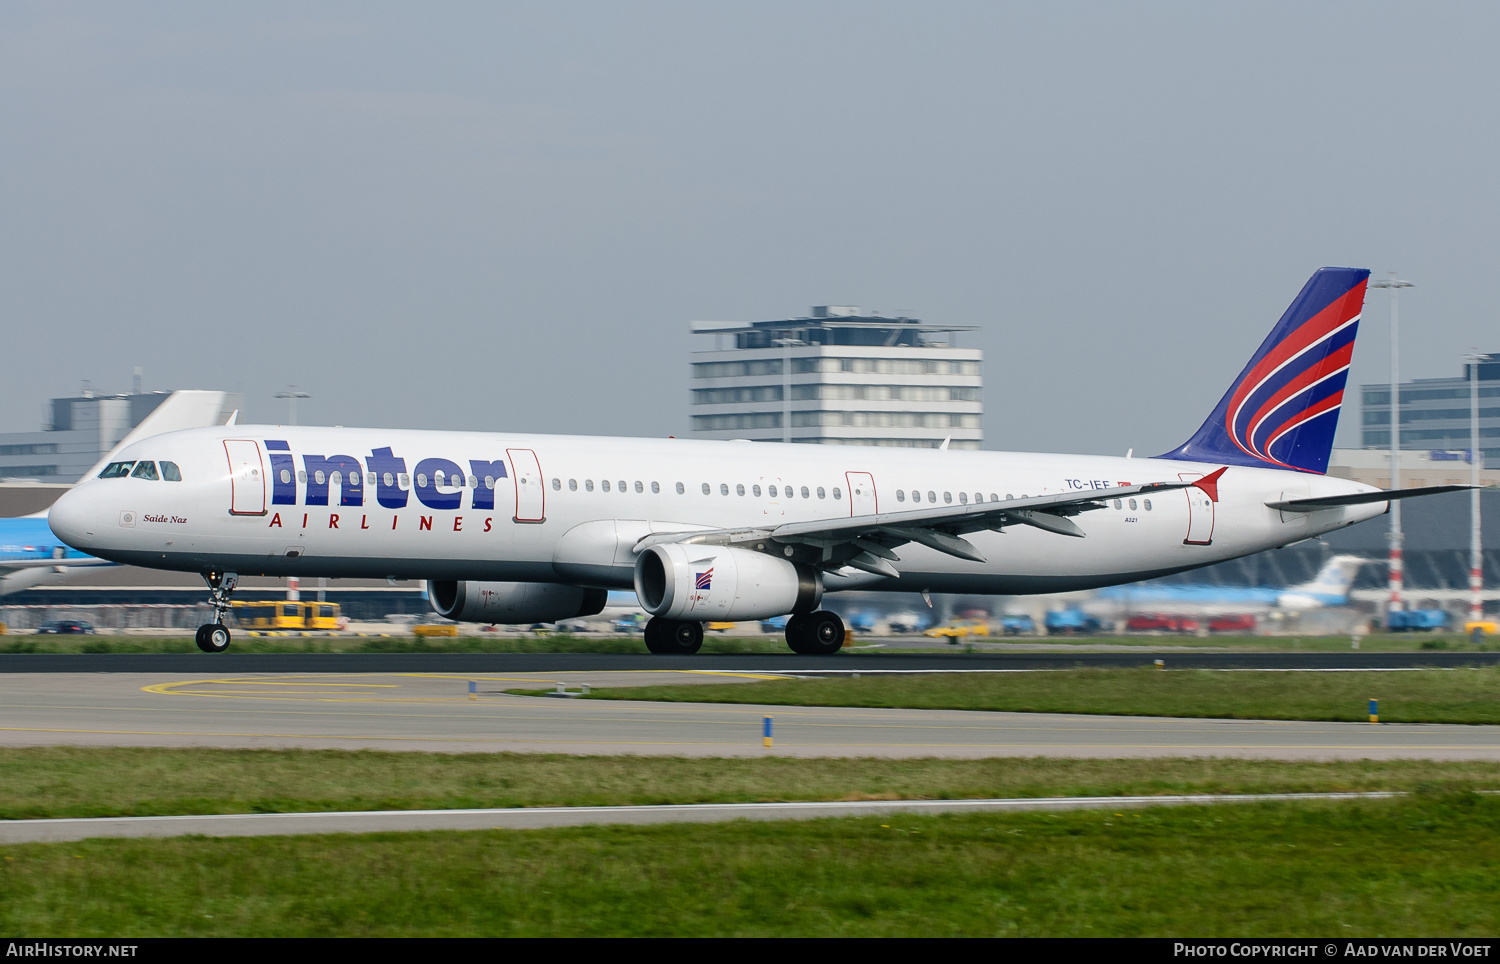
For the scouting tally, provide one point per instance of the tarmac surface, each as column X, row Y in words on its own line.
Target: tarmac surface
column 232, row 662
column 531, row 818
column 434, row 711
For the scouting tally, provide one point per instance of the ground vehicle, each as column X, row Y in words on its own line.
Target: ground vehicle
column 1238, row 623
column 1158, row 623
column 1417, row 620
column 959, row 629
column 64, row 627
column 1016, row 624
column 287, row 614
column 1072, row 622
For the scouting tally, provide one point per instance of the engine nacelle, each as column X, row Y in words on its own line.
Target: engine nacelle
column 513, row 602
column 703, row 583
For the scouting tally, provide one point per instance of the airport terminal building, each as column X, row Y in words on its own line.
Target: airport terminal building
column 840, row 376
column 79, row 431
column 1435, row 413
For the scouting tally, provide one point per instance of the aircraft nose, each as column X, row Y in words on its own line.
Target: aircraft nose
column 74, row 519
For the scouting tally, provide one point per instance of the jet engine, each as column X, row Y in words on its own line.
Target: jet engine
column 513, row 602
column 702, row 583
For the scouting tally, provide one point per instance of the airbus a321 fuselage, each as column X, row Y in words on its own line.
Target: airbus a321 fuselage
column 536, row 528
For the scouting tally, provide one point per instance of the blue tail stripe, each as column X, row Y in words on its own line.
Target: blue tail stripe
column 1305, row 447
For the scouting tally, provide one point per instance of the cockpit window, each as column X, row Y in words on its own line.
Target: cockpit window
column 145, row 470
column 170, row 472
column 116, row 470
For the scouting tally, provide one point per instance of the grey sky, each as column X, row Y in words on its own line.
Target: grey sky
column 505, row 215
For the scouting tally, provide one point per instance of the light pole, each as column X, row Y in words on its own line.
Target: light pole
column 1396, row 564
column 1476, row 462
column 291, row 403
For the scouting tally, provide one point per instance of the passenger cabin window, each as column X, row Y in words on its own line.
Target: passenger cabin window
column 723, row 488
column 588, row 485
column 1117, row 503
column 772, row 491
column 604, row 485
column 557, row 485
column 403, row 478
column 680, row 488
column 572, row 484
column 1148, row 505
column 947, row 496
column 705, row 488
column 739, row 489
column 900, row 495
column 622, row 485
column 145, row 470
column 116, row 470
column 804, row 492
column 755, row 491
column 639, row 487
column 963, row 498
column 837, row 493
column 820, row 492
column 916, row 496
column 489, row 482
column 1132, row 505
column 655, row 488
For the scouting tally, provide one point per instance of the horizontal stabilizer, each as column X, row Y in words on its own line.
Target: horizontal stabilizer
column 1363, row 498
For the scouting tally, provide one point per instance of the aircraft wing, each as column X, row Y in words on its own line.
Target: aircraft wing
column 866, row 542
column 13, row 565
column 1363, row 498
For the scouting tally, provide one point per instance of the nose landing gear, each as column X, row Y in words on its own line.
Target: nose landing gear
column 214, row 637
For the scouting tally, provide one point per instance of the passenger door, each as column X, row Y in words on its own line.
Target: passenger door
column 247, row 477
column 862, row 499
column 531, row 497
column 1200, row 513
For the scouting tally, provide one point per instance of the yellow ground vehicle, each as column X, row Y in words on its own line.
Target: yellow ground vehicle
column 286, row 615
column 1486, row 626
column 959, row 628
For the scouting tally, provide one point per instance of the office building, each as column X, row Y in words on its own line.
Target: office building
column 80, row 431
column 840, row 376
column 1435, row 414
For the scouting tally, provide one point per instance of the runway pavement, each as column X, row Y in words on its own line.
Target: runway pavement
column 233, row 662
column 434, row 712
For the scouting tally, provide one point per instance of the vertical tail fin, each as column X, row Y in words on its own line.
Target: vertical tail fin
column 1282, row 410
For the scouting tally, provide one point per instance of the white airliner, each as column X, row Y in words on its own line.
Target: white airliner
column 536, row 528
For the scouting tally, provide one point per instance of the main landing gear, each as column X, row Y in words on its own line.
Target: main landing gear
column 815, row 634
column 810, row 634
column 214, row 637
column 673, row 636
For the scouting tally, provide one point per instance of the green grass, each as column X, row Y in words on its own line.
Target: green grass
column 1422, row 866
column 1468, row 695
column 37, row 782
